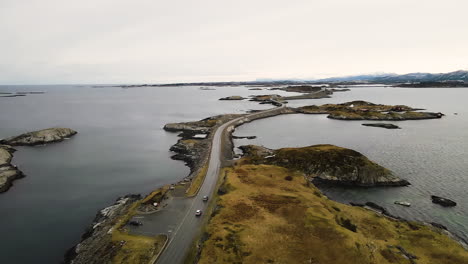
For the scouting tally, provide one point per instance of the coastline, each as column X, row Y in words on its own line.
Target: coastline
column 227, row 137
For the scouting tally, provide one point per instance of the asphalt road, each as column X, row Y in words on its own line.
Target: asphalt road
column 182, row 236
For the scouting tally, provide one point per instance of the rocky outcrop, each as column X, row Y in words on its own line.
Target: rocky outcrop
column 253, row 151
column 382, row 125
column 8, row 172
column 39, row 137
column 362, row 110
column 190, row 149
column 327, row 164
column 232, row 98
column 96, row 244
column 244, row 137
column 443, row 201
column 391, row 116
column 201, row 126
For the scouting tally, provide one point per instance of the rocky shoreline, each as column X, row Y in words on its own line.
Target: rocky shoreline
column 195, row 151
column 9, row 172
column 96, row 245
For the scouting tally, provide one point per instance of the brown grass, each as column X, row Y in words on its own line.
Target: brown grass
column 136, row 249
column 267, row 219
column 197, row 182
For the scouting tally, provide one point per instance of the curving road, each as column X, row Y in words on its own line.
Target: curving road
column 183, row 235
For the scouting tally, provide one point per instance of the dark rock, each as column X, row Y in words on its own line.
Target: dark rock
column 441, row 226
column 232, row 98
column 222, row 190
column 376, row 207
column 443, row 201
column 242, row 137
column 382, row 125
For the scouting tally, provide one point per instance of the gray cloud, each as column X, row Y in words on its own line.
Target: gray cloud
column 123, row 41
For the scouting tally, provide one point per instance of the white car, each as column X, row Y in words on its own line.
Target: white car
column 198, row 213
column 205, row 198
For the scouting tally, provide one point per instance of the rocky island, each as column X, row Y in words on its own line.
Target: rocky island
column 232, row 98
column 382, row 125
column 39, row 137
column 362, row 110
column 9, row 172
column 326, row 164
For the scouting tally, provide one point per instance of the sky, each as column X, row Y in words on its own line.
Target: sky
column 154, row 41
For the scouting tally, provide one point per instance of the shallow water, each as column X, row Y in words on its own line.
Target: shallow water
column 431, row 154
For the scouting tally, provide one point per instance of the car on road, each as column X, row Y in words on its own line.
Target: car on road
column 135, row 223
column 198, row 212
column 205, row 198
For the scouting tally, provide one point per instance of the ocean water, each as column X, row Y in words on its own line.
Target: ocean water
column 120, row 148
column 431, row 154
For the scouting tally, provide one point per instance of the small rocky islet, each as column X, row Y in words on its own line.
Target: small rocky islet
column 9, row 172
column 382, row 125
column 39, row 137
column 232, row 98
column 362, row 110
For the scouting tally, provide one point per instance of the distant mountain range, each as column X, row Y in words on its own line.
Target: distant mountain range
column 451, row 79
column 460, row 76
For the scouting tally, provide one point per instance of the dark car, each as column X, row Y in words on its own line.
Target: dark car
column 135, row 223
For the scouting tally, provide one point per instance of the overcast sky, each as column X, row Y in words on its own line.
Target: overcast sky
column 136, row 41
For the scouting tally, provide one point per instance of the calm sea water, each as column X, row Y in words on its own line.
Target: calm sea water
column 120, row 148
column 431, row 154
